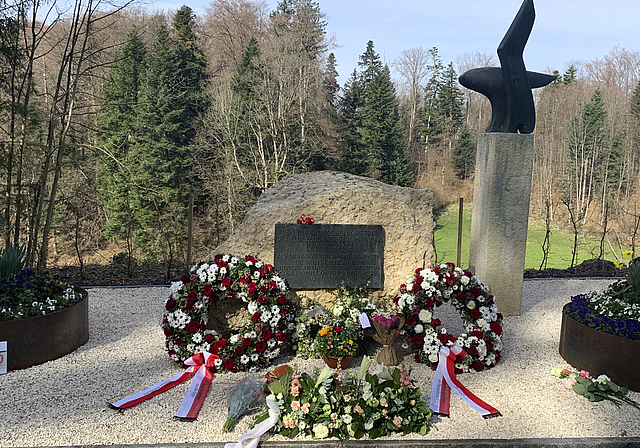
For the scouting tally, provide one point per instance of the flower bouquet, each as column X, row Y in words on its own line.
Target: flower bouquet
column 349, row 404
column 336, row 343
column 598, row 389
column 387, row 330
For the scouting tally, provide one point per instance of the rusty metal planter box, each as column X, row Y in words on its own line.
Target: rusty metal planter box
column 598, row 352
column 39, row 339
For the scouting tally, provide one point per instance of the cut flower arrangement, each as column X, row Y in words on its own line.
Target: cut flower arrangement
column 347, row 404
column 336, row 340
column 594, row 389
column 614, row 310
column 271, row 315
column 427, row 289
column 349, row 304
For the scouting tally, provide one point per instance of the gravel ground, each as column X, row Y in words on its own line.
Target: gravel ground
column 65, row 402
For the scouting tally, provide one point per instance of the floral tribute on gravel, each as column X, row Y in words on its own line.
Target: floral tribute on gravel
column 429, row 288
column 271, row 316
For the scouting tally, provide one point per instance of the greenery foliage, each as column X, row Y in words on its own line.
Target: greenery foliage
column 11, row 261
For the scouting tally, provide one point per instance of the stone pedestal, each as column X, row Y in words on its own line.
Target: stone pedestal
column 504, row 165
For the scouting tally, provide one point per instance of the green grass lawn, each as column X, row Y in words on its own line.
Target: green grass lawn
column 446, row 242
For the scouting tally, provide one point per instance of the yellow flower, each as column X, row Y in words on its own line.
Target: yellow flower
column 627, row 254
column 325, row 331
column 618, row 264
column 350, row 342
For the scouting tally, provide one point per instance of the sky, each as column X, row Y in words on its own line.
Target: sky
column 564, row 30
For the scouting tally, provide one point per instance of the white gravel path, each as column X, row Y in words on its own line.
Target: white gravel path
column 64, row 402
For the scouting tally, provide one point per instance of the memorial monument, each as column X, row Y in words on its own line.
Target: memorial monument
column 504, row 165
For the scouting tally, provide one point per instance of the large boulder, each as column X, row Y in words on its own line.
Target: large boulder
column 332, row 197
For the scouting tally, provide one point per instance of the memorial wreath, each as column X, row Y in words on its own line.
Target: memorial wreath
column 429, row 288
column 270, row 322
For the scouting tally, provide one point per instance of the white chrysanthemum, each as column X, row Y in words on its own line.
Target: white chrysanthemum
column 197, row 338
column 234, row 339
column 244, row 359
column 275, row 309
column 271, row 343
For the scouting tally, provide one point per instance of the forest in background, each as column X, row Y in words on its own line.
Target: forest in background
column 113, row 120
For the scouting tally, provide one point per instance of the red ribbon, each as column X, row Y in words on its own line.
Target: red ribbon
column 201, row 364
column 445, row 380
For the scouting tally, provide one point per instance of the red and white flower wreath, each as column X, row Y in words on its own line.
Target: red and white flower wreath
column 271, row 315
column 429, row 288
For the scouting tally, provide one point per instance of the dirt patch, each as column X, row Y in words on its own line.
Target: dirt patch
column 588, row 268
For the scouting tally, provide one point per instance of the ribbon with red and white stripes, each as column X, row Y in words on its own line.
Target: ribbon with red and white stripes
column 200, row 364
column 445, row 380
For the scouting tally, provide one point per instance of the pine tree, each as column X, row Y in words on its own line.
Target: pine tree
column 569, row 76
column 382, row 133
column 354, row 157
column 464, row 154
column 117, row 115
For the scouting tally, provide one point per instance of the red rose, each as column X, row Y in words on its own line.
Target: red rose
column 208, row 289
column 266, row 334
column 415, row 287
column 172, row 352
column 472, row 351
column 419, row 279
column 451, row 338
column 185, row 279
column 468, row 274
column 428, row 303
column 396, row 299
column 299, row 221
column 280, row 325
column 436, row 271
column 442, row 337
column 403, row 288
column 280, row 336
column 209, row 338
column 450, row 278
column 252, row 287
column 177, row 341
column 459, row 359
column 475, row 292
column 192, row 296
column 496, row 328
column 246, row 342
column 190, row 306
column 498, row 356
column 227, row 364
column 170, row 304
column 477, row 334
column 461, row 297
column 226, row 282
column 475, row 314
column 435, row 323
column 168, row 333
column 262, row 300
column 458, row 371
column 417, row 340
column 223, row 264
column 255, row 317
column 489, row 346
column 282, row 299
column 250, row 258
column 477, row 366
column 192, row 327
column 220, row 344
column 337, row 329
column 238, row 351
column 417, row 358
column 261, row 346
column 410, row 320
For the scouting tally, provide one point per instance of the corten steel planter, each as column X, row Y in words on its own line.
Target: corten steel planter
column 598, row 352
column 39, row 339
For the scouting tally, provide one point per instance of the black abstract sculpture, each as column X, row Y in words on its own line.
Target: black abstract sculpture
column 509, row 87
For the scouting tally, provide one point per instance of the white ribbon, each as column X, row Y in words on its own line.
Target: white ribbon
column 251, row 438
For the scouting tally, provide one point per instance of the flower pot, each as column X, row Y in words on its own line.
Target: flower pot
column 332, row 361
column 586, row 348
column 39, row 339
